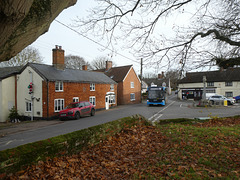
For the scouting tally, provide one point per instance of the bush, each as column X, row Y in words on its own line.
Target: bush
column 13, row 114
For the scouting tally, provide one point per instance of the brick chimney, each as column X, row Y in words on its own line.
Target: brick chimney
column 161, row 76
column 58, row 57
column 108, row 65
column 84, row 67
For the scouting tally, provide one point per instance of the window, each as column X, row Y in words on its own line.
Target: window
column 58, row 86
column 112, row 87
column 112, row 99
column 132, row 84
column 28, row 106
column 58, row 105
column 92, row 100
column 228, row 83
column 228, row 94
column 210, row 84
column 132, row 96
column 210, row 91
column 92, row 87
column 75, row 99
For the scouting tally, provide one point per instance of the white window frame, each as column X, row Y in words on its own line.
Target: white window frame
column 112, row 87
column 58, row 103
column 92, row 100
column 132, row 99
column 92, row 86
column 28, row 107
column 58, row 86
column 75, row 99
column 132, row 84
column 228, row 83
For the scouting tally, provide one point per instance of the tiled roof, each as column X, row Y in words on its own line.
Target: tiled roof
column 9, row 71
column 230, row 74
column 118, row 73
column 71, row 75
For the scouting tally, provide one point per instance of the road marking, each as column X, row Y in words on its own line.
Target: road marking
column 9, row 142
column 157, row 116
column 152, row 117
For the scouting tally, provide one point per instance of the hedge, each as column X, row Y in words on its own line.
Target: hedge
column 13, row 160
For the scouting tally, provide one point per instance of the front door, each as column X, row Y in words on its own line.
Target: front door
column 107, row 102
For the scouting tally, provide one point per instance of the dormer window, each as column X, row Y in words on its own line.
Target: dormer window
column 58, row 86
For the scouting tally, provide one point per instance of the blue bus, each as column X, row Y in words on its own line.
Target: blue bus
column 156, row 95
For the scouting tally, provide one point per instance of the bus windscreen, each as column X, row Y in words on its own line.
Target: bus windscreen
column 154, row 94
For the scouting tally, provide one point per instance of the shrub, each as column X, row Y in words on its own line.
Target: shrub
column 13, row 114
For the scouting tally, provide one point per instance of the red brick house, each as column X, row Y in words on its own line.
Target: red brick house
column 55, row 86
column 129, row 85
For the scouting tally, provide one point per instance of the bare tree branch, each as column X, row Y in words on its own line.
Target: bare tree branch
column 212, row 32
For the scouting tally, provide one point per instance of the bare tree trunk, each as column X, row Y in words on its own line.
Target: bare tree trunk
column 12, row 14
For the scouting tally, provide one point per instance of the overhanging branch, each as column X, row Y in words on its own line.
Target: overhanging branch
column 217, row 36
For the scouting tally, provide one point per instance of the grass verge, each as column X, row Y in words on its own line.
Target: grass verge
column 136, row 150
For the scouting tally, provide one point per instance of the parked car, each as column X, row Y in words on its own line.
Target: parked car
column 218, row 98
column 237, row 98
column 76, row 110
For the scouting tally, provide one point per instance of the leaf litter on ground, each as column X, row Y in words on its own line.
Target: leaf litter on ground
column 170, row 151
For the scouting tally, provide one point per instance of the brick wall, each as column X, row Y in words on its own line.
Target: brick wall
column 70, row 90
column 120, row 93
column 58, row 57
column 127, row 90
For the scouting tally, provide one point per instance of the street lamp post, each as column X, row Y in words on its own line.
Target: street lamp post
column 204, row 87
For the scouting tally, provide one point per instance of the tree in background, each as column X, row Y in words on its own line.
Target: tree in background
column 149, row 75
column 75, row 62
column 27, row 55
column 208, row 36
column 100, row 63
column 174, row 76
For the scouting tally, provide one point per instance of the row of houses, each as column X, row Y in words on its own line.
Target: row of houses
column 224, row 82
column 55, row 86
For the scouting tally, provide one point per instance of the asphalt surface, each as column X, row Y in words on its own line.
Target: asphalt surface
column 15, row 134
column 12, row 128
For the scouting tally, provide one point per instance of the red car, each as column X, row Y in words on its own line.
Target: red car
column 76, row 110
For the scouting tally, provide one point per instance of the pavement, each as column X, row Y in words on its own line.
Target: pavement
column 12, row 128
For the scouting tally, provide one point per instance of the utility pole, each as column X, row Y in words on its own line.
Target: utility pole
column 141, row 77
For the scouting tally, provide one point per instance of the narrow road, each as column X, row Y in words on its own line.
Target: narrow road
column 173, row 109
